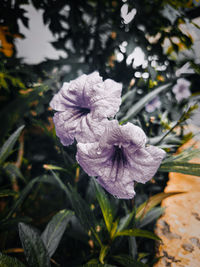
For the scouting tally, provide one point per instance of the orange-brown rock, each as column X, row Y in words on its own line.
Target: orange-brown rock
column 179, row 227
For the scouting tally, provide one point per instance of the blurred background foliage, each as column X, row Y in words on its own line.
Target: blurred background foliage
column 146, row 45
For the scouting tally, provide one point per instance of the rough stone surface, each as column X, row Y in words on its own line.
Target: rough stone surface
column 179, row 227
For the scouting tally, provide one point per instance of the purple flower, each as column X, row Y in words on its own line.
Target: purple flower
column 181, row 89
column 83, row 106
column 153, row 105
column 120, row 158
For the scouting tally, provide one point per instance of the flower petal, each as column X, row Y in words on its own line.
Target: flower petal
column 128, row 135
column 58, row 102
column 66, row 123
column 145, row 162
column 118, row 189
column 97, row 162
column 182, row 81
column 107, row 98
column 90, row 129
column 76, row 93
column 92, row 159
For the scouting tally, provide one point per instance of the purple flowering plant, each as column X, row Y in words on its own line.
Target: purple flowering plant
column 116, row 154
column 154, row 104
column 83, row 106
column 181, row 89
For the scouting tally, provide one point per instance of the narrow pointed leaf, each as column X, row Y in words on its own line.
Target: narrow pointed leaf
column 137, row 233
column 103, row 253
column 55, row 230
column 125, row 221
column 113, row 229
column 181, row 167
column 7, row 193
column 9, row 144
column 186, row 155
column 34, row 248
column 104, row 205
column 153, row 201
column 7, row 261
column 143, row 101
column 132, row 246
column 12, row 170
column 22, row 196
column 82, row 210
column 80, row 207
column 60, row 183
column 53, row 167
column 151, row 216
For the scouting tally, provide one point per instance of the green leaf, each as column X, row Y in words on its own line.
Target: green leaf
column 53, row 167
column 34, row 248
column 143, row 101
column 153, row 201
column 25, row 192
column 125, row 221
column 186, row 155
column 127, row 261
column 82, row 210
column 22, row 196
column 114, row 229
column 137, row 233
column 7, row 193
column 12, row 170
column 55, row 230
column 9, row 144
column 181, row 167
column 104, row 205
column 60, row 183
column 7, row 261
column 132, row 246
column 196, row 67
column 152, row 215
column 103, row 253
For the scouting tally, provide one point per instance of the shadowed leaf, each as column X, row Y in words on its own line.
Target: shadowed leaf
column 104, row 205
column 143, row 101
column 34, row 248
column 55, row 230
column 153, row 201
column 181, row 167
column 9, row 144
column 137, row 233
column 7, row 261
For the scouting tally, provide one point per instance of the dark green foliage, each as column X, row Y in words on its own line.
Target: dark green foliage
column 34, row 248
column 42, row 188
column 55, row 229
column 6, row 261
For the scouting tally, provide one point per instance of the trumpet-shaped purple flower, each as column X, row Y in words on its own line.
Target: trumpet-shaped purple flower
column 181, row 89
column 153, row 105
column 120, row 158
column 82, row 107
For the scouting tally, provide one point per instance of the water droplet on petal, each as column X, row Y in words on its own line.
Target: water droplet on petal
column 98, row 151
